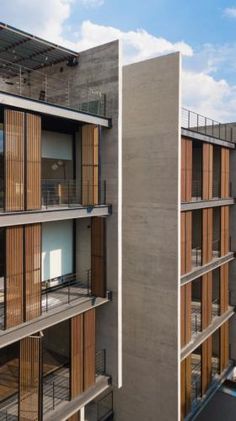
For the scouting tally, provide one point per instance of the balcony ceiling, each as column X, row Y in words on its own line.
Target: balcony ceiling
column 28, row 50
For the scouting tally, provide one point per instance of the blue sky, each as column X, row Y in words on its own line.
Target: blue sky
column 204, row 31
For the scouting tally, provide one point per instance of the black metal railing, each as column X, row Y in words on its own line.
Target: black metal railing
column 56, row 388
column 206, row 126
column 216, row 248
column 197, row 188
column 23, row 81
column 196, row 382
column 100, row 362
column 197, row 256
column 69, row 193
column 105, row 408
column 65, row 289
column 196, row 317
column 215, row 307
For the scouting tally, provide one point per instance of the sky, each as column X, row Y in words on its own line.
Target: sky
column 204, row 31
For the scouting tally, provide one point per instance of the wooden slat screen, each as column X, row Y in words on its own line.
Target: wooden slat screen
column 224, row 288
column 186, row 170
column 206, row 364
column 224, row 230
column 14, row 122
column 14, row 276
column 207, row 171
column 225, row 191
column 186, row 373
column 186, row 242
column 207, row 235
column 186, row 322
column 90, row 158
column 30, row 379
column 98, row 256
column 89, row 348
column 77, row 345
column 206, row 299
column 224, row 346
column 33, row 156
column 32, row 271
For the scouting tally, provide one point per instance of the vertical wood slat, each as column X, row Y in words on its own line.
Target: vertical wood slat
column 206, row 299
column 33, row 156
column 186, row 373
column 89, row 348
column 98, row 256
column 225, row 172
column 207, row 235
column 207, row 171
column 206, row 364
column 224, row 288
column 30, row 379
column 224, row 230
column 186, row 242
column 186, row 321
column 14, row 160
column 90, row 157
column 14, row 276
column 224, row 346
column 32, row 271
column 186, row 170
column 77, row 356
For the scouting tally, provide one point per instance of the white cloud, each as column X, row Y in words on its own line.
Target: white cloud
column 201, row 89
column 230, row 12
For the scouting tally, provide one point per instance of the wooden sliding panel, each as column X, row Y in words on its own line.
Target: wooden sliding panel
column 89, row 348
column 224, row 288
column 32, row 271
column 224, row 230
column 76, row 374
column 98, row 256
column 206, row 364
column 206, row 299
column 186, row 322
column 14, row 122
column 186, row 242
column 224, row 346
column 207, row 235
column 14, row 277
column 30, row 379
column 186, row 170
column 225, row 172
column 33, row 159
column 90, row 159
column 185, row 386
column 207, row 171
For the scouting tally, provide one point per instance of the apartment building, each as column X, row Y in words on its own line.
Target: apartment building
column 60, row 214
column 178, row 248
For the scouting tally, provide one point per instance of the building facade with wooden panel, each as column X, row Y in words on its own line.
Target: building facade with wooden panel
column 206, row 248
column 60, row 206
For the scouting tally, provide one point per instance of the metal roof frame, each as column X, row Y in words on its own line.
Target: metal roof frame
column 20, row 47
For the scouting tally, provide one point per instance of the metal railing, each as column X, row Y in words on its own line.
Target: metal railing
column 69, row 193
column 216, row 307
column 105, row 407
column 35, row 84
column 65, row 289
column 100, row 362
column 206, row 126
column 196, row 317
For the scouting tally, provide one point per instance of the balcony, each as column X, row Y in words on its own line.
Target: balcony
column 56, row 389
column 61, row 291
column 44, row 87
column 195, row 122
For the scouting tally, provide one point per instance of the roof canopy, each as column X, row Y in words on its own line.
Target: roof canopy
column 30, row 51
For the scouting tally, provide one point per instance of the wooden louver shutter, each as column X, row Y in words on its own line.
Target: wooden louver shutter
column 33, row 156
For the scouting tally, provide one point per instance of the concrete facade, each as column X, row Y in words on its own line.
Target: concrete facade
column 150, row 249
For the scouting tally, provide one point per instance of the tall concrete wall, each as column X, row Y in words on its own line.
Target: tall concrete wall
column 150, row 241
